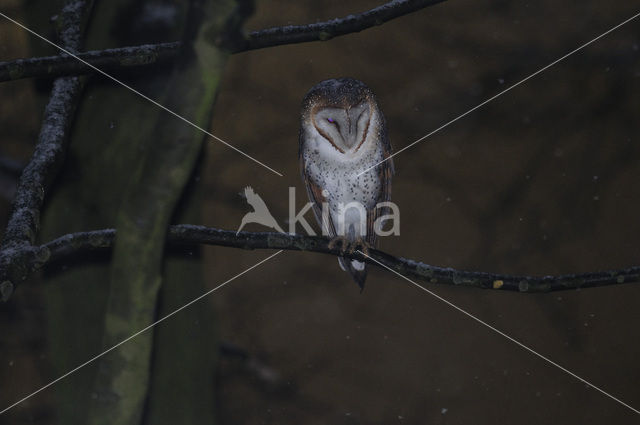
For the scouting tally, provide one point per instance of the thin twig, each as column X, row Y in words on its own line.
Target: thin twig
column 322, row 31
column 124, row 58
column 120, row 59
column 71, row 245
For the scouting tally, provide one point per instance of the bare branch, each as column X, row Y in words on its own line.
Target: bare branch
column 120, row 59
column 49, row 152
column 19, row 258
column 71, row 245
column 125, row 58
column 327, row 30
column 44, row 164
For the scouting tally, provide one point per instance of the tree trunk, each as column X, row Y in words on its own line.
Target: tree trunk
column 128, row 165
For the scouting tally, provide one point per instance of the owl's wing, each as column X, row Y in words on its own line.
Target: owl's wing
column 314, row 191
column 385, row 175
column 387, row 170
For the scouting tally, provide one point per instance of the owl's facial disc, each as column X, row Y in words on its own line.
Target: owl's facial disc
column 346, row 129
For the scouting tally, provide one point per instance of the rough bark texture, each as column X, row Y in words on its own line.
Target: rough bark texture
column 323, row 31
column 47, row 158
column 108, row 60
column 128, row 164
column 232, row 38
column 73, row 245
column 159, row 177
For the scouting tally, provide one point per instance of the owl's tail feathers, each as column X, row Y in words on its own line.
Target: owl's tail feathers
column 357, row 270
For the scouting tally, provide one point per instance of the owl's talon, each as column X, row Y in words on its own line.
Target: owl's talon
column 341, row 243
column 359, row 245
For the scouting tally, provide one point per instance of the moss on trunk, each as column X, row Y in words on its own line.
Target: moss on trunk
column 128, row 165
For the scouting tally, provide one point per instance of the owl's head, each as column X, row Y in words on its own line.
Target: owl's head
column 341, row 111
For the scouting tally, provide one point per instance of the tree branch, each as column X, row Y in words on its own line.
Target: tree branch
column 120, row 59
column 19, row 258
column 49, row 152
column 323, row 31
column 132, row 57
column 71, row 245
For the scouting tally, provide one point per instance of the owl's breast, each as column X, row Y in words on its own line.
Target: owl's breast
column 338, row 173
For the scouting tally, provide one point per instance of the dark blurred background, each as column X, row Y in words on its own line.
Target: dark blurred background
column 542, row 180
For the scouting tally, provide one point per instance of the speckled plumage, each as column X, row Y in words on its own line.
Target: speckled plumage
column 343, row 133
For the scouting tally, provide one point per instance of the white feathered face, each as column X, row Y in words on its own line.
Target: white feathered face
column 345, row 128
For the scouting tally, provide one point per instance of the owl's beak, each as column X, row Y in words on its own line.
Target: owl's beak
column 350, row 135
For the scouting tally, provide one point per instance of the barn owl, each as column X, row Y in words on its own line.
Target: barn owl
column 343, row 136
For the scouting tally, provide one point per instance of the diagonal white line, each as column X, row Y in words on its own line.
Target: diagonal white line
column 503, row 92
column 138, row 333
column 499, row 332
column 141, row 95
